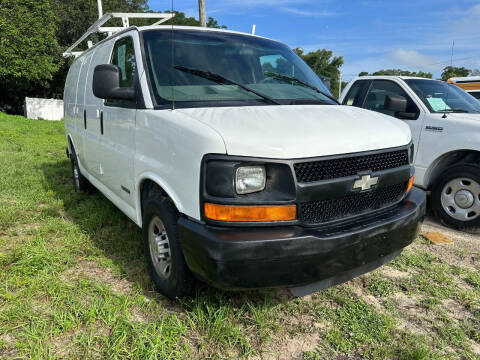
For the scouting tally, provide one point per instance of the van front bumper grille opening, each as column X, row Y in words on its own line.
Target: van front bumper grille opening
column 349, row 166
column 315, row 212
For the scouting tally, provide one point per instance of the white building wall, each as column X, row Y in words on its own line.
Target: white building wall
column 47, row 109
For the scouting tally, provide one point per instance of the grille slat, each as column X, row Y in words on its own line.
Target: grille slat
column 349, row 166
column 314, row 212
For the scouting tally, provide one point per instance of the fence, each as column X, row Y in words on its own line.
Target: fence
column 47, row 109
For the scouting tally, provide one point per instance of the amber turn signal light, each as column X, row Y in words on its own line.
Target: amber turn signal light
column 235, row 213
column 410, row 183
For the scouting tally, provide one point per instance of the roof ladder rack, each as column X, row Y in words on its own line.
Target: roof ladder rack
column 96, row 27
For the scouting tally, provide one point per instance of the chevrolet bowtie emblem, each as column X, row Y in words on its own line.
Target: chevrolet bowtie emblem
column 365, row 183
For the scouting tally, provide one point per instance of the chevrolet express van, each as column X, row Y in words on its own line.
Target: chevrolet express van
column 237, row 163
column 445, row 125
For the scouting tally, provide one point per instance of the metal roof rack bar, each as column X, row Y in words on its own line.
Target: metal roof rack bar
column 96, row 27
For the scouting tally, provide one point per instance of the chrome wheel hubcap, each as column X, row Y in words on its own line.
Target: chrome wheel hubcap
column 159, row 247
column 461, row 199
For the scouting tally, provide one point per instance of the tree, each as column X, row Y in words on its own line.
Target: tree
column 324, row 64
column 399, row 72
column 452, row 71
column 28, row 49
column 33, row 38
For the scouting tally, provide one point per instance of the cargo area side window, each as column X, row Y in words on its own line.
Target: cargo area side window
column 124, row 57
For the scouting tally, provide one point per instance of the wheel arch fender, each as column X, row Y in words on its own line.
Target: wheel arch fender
column 149, row 177
column 448, row 159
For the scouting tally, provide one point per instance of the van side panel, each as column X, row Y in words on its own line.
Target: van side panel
column 70, row 98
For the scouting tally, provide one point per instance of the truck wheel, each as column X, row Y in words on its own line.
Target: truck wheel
column 456, row 196
column 164, row 254
column 81, row 183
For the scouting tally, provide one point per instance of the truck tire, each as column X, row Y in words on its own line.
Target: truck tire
column 456, row 196
column 80, row 182
column 163, row 252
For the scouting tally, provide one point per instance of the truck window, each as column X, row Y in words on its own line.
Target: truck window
column 124, row 57
column 379, row 90
column 356, row 93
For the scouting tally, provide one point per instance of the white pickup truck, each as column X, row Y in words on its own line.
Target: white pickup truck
column 445, row 125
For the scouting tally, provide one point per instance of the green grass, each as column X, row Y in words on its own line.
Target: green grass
column 73, row 284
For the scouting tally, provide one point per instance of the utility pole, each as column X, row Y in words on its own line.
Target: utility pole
column 451, row 58
column 339, row 83
column 201, row 13
column 100, row 9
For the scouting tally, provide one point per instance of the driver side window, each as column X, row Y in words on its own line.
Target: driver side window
column 123, row 56
column 380, row 89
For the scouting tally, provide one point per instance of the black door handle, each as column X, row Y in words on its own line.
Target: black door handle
column 85, row 118
column 101, row 122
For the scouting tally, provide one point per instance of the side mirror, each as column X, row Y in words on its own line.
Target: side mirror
column 106, row 83
column 395, row 103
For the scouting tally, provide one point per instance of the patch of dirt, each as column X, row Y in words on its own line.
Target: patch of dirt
column 63, row 346
column 7, row 351
column 467, row 243
column 290, row 347
column 94, row 272
column 455, row 310
column 412, row 315
column 392, row 273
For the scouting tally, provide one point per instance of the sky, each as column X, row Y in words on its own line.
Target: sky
column 369, row 34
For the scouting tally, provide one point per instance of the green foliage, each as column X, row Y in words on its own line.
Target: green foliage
column 35, row 33
column 452, row 71
column 28, row 48
column 324, row 64
column 398, row 72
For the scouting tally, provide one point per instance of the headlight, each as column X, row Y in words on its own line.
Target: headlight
column 411, row 153
column 250, row 179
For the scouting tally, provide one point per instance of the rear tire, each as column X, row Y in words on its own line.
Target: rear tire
column 80, row 182
column 456, row 196
column 163, row 252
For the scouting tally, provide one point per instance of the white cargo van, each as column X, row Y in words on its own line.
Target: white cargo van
column 237, row 163
column 445, row 125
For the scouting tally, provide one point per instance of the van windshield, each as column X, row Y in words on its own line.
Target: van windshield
column 441, row 97
column 269, row 68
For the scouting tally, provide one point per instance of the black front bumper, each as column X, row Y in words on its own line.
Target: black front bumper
column 245, row 258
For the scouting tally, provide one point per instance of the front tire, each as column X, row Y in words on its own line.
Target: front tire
column 164, row 255
column 456, row 196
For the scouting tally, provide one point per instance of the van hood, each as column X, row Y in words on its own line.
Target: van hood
column 300, row 131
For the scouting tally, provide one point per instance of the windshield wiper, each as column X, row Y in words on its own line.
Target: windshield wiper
column 223, row 80
column 300, row 82
column 455, row 111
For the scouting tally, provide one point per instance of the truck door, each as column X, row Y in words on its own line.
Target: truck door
column 375, row 101
column 117, row 149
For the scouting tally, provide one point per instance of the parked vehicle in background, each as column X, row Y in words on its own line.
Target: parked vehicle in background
column 445, row 125
column 236, row 161
column 470, row 84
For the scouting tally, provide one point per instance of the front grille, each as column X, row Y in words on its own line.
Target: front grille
column 315, row 212
column 349, row 166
